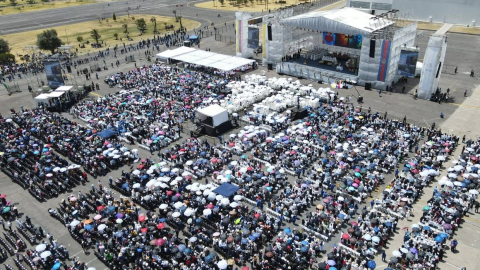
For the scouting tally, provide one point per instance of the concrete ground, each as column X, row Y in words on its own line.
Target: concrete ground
column 461, row 117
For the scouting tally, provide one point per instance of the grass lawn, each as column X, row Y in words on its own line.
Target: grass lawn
column 18, row 41
column 251, row 6
column 23, row 6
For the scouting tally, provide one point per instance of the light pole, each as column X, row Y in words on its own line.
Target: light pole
column 66, row 35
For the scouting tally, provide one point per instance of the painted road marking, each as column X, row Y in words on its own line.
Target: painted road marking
column 95, row 94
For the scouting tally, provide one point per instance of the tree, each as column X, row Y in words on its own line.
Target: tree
column 4, row 48
column 154, row 21
column 7, row 58
column 115, row 35
column 141, row 25
column 125, row 28
column 95, row 35
column 13, row 2
column 49, row 40
column 114, row 17
column 222, row 2
column 80, row 39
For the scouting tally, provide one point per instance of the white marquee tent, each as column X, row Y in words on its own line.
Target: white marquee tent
column 204, row 58
column 218, row 114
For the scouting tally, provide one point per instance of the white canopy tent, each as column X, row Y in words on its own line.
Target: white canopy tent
column 218, row 114
column 171, row 53
column 206, row 59
column 42, row 98
column 347, row 21
column 64, row 88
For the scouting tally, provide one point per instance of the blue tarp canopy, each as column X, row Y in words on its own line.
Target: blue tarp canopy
column 107, row 133
column 226, row 189
column 193, row 37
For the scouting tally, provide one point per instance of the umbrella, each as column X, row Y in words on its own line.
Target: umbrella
column 40, row 247
column 222, row 264
column 371, row 264
column 56, row 266
column 101, row 227
column 396, row 253
column 45, row 254
column 331, row 262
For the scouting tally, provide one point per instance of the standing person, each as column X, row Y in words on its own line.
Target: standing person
column 384, row 256
column 415, row 94
column 380, row 92
column 472, row 73
column 456, row 68
column 465, row 93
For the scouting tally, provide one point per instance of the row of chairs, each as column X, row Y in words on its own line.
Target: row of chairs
column 17, row 237
column 20, row 266
column 12, row 244
column 7, row 246
column 11, row 241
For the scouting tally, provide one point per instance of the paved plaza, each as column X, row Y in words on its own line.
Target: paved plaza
column 462, row 117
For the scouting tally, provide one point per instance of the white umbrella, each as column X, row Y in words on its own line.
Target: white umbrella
column 165, row 169
column 40, row 247
column 225, row 201
column 473, row 192
column 207, row 212
column 163, row 206
column 194, row 188
column 63, row 169
column 56, row 169
column 188, row 212
column 178, row 205
column 222, row 264
column 237, row 198
column 441, row 158
column 45, row 254
column 188, row 163
column 234, row 162
column 367, row 237
column 136, row 185
column 376, row 239
column 202, row 187
column 150, row 171
column 396, row 253
column 206, row 192
column 415, row 226
column 101, row 227
column 233, row 204
column 404, row 250
column 458, row 168
column 74, row 223
column 136, row 172
column 193, row 239
column 185, row 173
column 449, row 184
column 176, row 214
column 457, row 183
column 211, row 196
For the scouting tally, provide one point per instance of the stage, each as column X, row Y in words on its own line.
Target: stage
column 315, row 71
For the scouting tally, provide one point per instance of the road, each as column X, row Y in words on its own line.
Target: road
column 16, row 23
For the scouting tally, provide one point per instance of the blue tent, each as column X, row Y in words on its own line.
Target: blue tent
column 107, row 133
column 193, row 37
column 226, row 189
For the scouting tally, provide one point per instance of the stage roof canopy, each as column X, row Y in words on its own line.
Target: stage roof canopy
column 347, row 21
column 204, row 58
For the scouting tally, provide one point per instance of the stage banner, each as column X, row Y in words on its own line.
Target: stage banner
column 253, row 37
column 264, row 51
column 53, row 71
column 384, row 56
column 238, row 26
column 407, row 63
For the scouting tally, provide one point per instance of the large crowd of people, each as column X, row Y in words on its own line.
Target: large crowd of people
column 317, row 170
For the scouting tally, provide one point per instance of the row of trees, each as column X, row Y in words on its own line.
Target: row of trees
column 5, row 55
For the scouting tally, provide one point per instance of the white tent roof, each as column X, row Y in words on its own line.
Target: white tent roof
column 56, row 94
column 204, row 58
column 171, row 53
column 64, row 88
column 42, row 97
column 212, row 110
column 347, row 21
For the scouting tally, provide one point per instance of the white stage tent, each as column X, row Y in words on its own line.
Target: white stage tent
column 204, row 58
column 218, row 114
column 347, row 21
